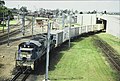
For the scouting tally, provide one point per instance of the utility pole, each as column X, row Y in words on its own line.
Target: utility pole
column 52, row 24
column 91, row 23
column 91, row 19
column 18, row 12
column 63, row 20
column 3, row 21
column 70, row 29
column 32, row 24
column 48, row 49
column 82, row 20
column 8, row 29
column 23, row 23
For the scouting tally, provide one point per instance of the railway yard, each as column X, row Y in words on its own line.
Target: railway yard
column 93, row 54
column 66, row 63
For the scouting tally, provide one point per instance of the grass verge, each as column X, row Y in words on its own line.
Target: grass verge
column 12, row 22
column 82, row 62
column 1, row 27
column 111, row 40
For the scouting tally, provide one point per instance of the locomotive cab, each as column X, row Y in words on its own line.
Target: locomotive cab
column 31, row 51
column 25, row 53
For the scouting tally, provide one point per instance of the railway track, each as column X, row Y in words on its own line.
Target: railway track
column 4, row 37
column 19, row 38
column 112, row 56
column 21, row 76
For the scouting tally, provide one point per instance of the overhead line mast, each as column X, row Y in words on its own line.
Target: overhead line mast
column 48, row 49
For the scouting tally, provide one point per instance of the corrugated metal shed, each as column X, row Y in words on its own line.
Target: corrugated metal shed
column 113, row 24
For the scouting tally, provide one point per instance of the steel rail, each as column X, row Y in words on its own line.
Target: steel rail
column 111, row 58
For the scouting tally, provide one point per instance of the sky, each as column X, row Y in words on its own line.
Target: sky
column 88, row 5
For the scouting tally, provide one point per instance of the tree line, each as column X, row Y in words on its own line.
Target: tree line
column 4, row 12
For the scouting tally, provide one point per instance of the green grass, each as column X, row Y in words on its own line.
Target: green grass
column 1, row 27
column 13, row 22
column 82, row 62
column 111, row 40
column 76, row 25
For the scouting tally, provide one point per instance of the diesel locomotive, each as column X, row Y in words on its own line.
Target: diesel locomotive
column 31, row 51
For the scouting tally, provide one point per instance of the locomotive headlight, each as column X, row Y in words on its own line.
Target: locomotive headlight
column 24, row 45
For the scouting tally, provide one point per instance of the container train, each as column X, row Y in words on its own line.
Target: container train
column 31, row 51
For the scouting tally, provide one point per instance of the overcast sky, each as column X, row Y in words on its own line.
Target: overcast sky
column 111, row 6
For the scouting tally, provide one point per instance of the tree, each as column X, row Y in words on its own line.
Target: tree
column 14, row 10
column 2, row 12
column 57, row 12
column 105, row 12
column 2, row 3
column 23, row 9
column 76, row 11
column 94, row 12
column 81, row 12
column 88, row 12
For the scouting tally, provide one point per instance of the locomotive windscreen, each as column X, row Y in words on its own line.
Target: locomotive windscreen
column 25, row 53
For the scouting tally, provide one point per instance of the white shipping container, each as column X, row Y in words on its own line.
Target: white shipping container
column 83, row 29
column 72, row 32
column 57, row 36
column 77, row 31
column 65, row 34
